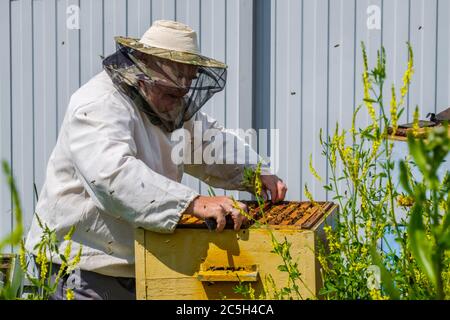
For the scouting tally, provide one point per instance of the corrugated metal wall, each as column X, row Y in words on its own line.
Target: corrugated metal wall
column 309, row 73
column 43, row 62
column 306, row 72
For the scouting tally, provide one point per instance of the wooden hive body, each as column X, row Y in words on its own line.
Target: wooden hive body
column 195, row 263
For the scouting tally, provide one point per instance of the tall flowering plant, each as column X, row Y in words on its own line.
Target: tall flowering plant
column 43, row 283
column 289, row 266
column 360, row 261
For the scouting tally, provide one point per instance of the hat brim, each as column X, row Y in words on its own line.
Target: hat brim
column 177, row 56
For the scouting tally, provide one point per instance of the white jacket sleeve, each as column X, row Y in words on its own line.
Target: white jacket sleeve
column 104, row 154
column 231, row 156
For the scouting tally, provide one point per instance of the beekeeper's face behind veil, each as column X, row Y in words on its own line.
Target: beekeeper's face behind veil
column 164, row 75
column 171, row 82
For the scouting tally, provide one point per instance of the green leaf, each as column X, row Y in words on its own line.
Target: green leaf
column 282, row 268
column 446, row 219
column 386, row 278
column 328, row 289
column 418, row 151
column 211, row 192
column 446, row 183
column 404, row 174
column 420, row 245
column 445, row 239
column 63, row 258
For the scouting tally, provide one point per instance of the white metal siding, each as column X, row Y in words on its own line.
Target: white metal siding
column 44, row 62
column 309, row 54
column 306, row 69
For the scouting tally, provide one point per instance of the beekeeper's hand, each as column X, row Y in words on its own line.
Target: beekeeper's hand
column 217, row 208
column 275, row 186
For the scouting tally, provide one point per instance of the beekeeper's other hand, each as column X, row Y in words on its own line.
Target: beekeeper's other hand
column 275, row 186
column 217, row 208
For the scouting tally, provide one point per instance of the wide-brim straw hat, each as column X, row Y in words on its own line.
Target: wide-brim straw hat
column 173, row 41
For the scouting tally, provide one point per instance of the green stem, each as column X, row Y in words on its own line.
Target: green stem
column 439, row 268
column 49, row 276
column 390, row 189
column 435, row 207
column 388, row 167
column 338, row 195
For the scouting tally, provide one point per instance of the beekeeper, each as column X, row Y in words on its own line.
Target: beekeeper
column 111, row 170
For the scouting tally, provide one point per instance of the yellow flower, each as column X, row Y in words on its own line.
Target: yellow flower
column 375, row 147
column 364, row 250
column 376, row 295
column 333, row 157
column 346, row 235
column 312, row 170
column 353, row 129
column 443, row 205
column 41, row 260
column 67, row 250
column 394, row 114
column 76, row 260
column 258, row 183
column 69, row 235
column 416, row 122
column 418, row 276
column 367, row 87
column 241, row 211
column 22, row 257
column 44, row 270
column 364, row 204
column 309, row 196
column 380, row 230
column 372, row 113
column 407, row 76
column 405, row 201
column 337, row 142
column 359, row 266
column 38, row 257
column 351, row 163
column 70, row 295
column 323, row 261
column 347, row 154
column 334, row 246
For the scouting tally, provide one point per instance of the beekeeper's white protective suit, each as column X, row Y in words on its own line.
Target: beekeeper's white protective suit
column 111, row 172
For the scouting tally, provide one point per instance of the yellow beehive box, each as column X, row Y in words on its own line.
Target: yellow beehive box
column 195, row 263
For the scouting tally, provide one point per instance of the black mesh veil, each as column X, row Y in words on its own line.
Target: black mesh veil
column 169, row 92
